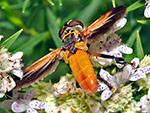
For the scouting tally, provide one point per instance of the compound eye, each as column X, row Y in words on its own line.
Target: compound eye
column 61, row 32
column 75, row 23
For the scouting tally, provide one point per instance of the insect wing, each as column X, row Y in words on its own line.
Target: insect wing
column 104, row 24
column 39, row 69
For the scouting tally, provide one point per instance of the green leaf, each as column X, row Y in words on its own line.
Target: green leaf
column 135, row 6
column 146, row 22
column 9, row 41
column 88, row 12
column 113, row 3
column 60, row 2
column 132, row 37
column 13, row 6
column 7, row 25
column 9, row 13
column 139, row 48
column 28, row 46
column 50, row 2
column 26, row 2
column 53, row 27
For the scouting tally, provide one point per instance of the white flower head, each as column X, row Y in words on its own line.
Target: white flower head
column 12, row 64
column 144, row 104
column 147, row 9
column 64, row 87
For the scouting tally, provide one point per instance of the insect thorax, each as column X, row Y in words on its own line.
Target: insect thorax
column 70, row 34
column 70, row 39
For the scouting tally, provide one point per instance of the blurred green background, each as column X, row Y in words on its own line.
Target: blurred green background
column 42, row 19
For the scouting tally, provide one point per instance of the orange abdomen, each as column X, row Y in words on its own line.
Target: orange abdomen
column 83, row 71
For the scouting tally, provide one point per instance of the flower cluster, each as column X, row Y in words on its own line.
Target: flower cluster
column 9, row 64
column 22, row 102
column 144, row 104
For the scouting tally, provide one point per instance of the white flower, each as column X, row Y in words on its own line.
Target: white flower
column 52, row 108
column 22, row 102
column 109, row 84
column 147, row 9
column 144, row 104
column 6, row 83
column 11, row 64
column 112, row 47
column 135, row 73
column 64, row 87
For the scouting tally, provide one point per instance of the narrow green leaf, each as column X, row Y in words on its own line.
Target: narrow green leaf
column 60, row 2
column 13, row 6
column 28, row 46
column 7, row 25
column 146, row 22
column 53, row 27
column 88, row 12
column 132, row 37
column 26, row 2
column 139, row 48
column 8, row 42
column 113, row 3
column 135, row 6
column 12, row 17
column 50, row 2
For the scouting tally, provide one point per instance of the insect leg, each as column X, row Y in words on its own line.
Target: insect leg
column 110, row 87
column 118, row 59
column 66, row 54
column 81, row 45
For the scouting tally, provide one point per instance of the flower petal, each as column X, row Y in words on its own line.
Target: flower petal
column 125, row 49
column 17, row 55
column 102, row 86
column 149, row 93
column 1, row 36
column 126, row 73
column 145, row 70
column 37, row 104
column 29, row 95
column 18, row 73
column 138, row 106
column 10, row 84
column 15, row 94
column 120, row 24
column 105, row 75
column 106, row 94
column 31, row 110
column 135, row 62
column 137, row 76
column 147, row 10
column 16, row 107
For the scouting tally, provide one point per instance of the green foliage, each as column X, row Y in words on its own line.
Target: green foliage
column 140, row 53
column 9, row 41
column 135, row 6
